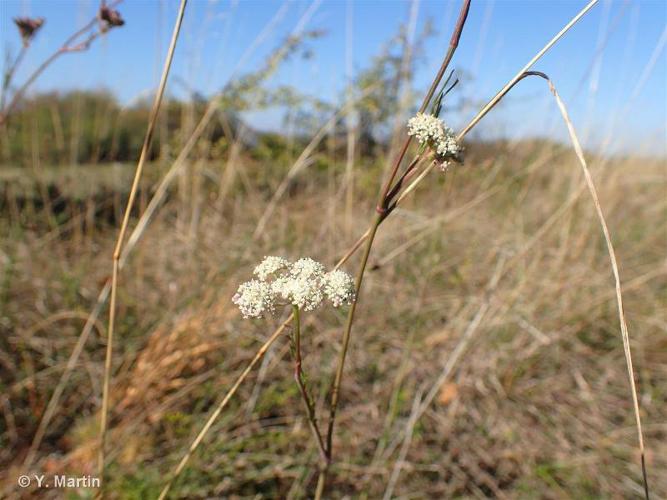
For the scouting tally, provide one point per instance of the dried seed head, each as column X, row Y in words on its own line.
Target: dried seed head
column 109, row 18
column 28, row 27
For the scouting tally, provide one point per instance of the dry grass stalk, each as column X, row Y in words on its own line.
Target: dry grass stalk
column 136, row 235
column 422, row 405
column 617, row 279
column 216, row 413
column 123, row 228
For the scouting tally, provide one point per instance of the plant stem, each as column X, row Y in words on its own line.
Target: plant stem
column 335, row 391
column 453, row 44
column 379, row 217
column 298, row 376
column 9, row 74
column 121, row 237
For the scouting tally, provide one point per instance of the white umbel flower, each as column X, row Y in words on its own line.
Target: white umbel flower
column 254, row 298
column 298, row 291
column 429, row 130
column 307, row 268
column 269, row 266
column 425, row 128
column 339, row 287
column 303, row 284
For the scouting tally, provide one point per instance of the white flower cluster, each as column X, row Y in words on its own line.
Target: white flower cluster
column 254, row 298
column 339, row 288
column 269, row 266
column 432, row 132
column 304, row 283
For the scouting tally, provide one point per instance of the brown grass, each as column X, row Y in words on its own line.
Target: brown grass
column 541, row 396
column 486, row 360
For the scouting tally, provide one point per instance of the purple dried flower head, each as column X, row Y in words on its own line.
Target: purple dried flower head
column 28, row 27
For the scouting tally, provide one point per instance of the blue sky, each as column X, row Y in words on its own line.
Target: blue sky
column 602, row 68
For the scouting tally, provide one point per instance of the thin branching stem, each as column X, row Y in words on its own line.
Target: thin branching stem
column 453, row 44
column 377, row 220
column 367, row 236
column 66, row 48
column 121, row 236
column 9, row 74
column 404, row 176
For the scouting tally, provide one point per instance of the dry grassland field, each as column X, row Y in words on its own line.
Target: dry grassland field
column 341, row 250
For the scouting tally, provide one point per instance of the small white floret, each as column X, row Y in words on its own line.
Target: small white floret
column 305, row 293
column 254, row 298
column 339, row 287
column 269, row 266
column 307, row 268
column 432, row 132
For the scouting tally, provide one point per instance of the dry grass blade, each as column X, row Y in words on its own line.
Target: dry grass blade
column 52, row 405
column 412, row 420
column 614, row 266
column 454, row 357
column 121, row 235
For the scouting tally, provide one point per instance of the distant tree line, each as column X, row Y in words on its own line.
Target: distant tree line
column 90, row 127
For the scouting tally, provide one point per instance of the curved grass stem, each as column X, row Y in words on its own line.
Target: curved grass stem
column 614, row 267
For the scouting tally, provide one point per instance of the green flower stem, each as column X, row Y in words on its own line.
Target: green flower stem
column 298, row 376
column 386, row 194
column 335, row 391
